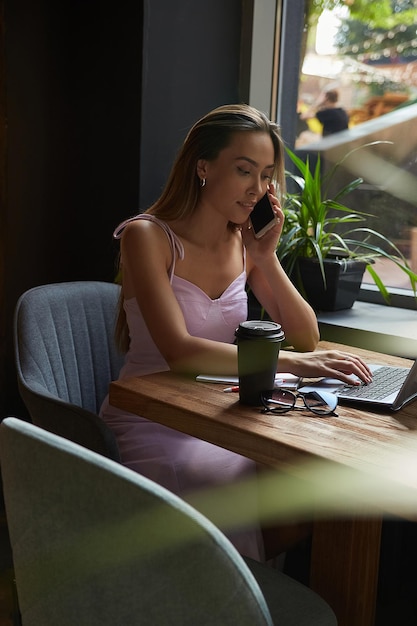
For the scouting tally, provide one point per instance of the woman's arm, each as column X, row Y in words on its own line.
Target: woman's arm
column 274, row 290
column 285, row 305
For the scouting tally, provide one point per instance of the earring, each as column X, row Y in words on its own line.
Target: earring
column 202, row 182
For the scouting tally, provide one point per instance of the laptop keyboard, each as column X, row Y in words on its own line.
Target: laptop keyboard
column 386, row 380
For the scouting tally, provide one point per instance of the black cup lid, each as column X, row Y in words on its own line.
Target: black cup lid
column 260, row 328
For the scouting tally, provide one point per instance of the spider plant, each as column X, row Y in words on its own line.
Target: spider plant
column 313, row 220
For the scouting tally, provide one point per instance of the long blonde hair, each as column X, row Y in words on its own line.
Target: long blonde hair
column 205, row 140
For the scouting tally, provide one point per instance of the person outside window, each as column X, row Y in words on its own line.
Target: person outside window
column 329, row 113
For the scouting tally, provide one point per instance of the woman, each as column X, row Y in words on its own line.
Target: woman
column 185, row 264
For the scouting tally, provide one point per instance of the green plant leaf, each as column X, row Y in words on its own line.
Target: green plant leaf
column 378, row 282
column 312, row 219
column 349, row 188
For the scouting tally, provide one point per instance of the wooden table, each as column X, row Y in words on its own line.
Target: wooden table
column 345, row 553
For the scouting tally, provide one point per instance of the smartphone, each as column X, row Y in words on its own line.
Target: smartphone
column 262, row 217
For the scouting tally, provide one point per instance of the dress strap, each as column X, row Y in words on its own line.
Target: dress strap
column 177, row 249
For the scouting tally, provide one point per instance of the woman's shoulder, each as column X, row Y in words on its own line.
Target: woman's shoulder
column 142, row 219
column 150, row 232
column 148, row 236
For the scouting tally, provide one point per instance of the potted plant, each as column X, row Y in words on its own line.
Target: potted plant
column 322, row 254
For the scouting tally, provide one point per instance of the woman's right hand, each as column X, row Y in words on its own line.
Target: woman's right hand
column 325, row 363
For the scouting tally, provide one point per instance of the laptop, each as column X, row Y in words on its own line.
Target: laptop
column 392, row 387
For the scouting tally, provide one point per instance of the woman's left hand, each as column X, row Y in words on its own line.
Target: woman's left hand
column 258, row 248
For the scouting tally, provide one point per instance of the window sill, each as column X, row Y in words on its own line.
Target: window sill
column 386, row 329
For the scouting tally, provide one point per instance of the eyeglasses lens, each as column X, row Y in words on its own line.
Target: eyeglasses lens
column 280, row 400
column 320, row 402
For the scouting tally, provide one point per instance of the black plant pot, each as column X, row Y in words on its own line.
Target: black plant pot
column 343, row 282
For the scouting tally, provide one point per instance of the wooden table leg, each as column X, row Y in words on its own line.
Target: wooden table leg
column 344, row 567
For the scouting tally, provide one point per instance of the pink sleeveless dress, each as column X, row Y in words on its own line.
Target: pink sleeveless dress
column 177, row 461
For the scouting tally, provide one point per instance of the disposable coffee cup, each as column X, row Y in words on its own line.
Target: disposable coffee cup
column 258, row 345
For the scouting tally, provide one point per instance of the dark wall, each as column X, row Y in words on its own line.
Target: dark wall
column 191, row 64
column 73, row 100
column 73, row 106
column 98, row 99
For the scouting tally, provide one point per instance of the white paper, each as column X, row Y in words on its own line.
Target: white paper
column 289, row 381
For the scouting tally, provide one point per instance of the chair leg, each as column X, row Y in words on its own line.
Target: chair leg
column 9, row 609
column 279, row 537
column 283, row 537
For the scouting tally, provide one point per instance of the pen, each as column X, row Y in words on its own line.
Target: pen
column 231, row 389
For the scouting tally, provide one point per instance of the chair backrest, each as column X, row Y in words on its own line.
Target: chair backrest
column 95, row 543
column 66, row 357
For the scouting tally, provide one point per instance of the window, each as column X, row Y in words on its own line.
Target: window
column 369, row 59
column 367, row 62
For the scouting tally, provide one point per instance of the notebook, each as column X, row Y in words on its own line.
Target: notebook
column 286, row 380
column 392, row 387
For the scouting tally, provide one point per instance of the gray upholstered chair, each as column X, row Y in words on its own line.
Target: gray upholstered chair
column 97, row 544
column 66, row 357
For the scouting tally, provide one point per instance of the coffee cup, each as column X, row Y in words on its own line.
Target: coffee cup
column 258, row 345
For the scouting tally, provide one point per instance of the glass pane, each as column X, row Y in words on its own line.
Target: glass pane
column 368, row 62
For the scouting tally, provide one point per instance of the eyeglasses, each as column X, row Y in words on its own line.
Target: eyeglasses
column 282, row 400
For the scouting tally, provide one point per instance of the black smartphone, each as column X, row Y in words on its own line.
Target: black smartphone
column 262, row 217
